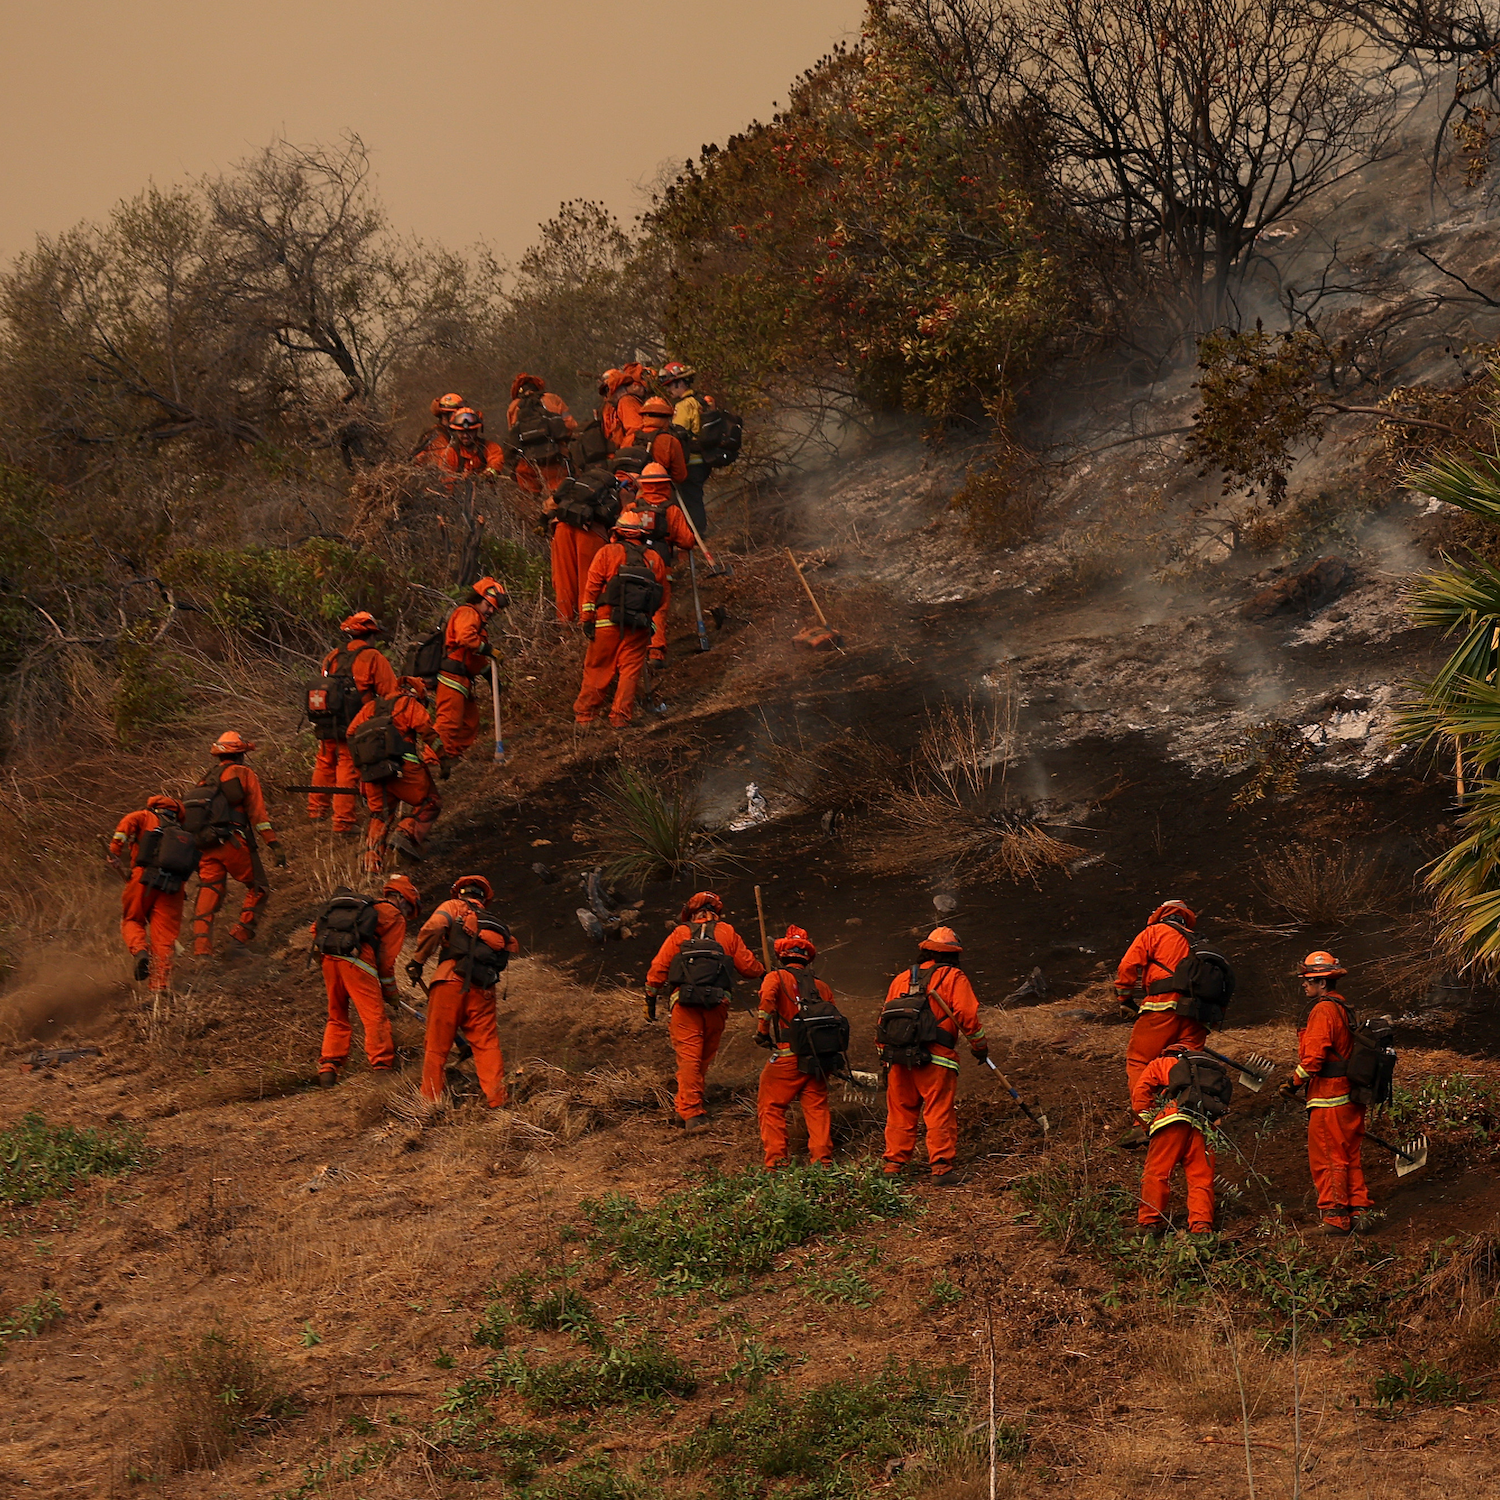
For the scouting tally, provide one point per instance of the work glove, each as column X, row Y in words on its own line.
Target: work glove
column 1289, row 1088
column 649, row 1005
column 588, row 627
column 445, row 765
column 278, row 854
column 981, row 1054
column 414, row 970
column 763, row 1039
column 1128, row 999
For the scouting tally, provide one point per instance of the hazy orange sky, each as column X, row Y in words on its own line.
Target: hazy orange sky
column 478, row 129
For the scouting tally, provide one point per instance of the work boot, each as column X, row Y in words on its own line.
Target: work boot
column 656, row 658
column 695, row 1124
column 1133, row 1139
column 142, row 966
column 1153, row 1234
column 1337, row 1227
column 407, row 845
column 327, row 1077
column 946, row 1179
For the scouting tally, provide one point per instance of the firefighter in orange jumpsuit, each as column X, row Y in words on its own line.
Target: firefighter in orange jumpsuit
column 414, row 786
column 436, row 436
column 696, row 1030
column 664, row 446
column 472, row 949
column 368, row 978
column 546, row 474
column 782, row 1081
column 151, row 903
column 1335, row 1124
column 669, row 534
column 467, row 452
column 467, row 650
column 630, row 397
column 931, row 1089
column 1177, row 1138
column 235, row 835
column 1157, row 950
column 615, row 648
column 573, row 548
column 374, row 677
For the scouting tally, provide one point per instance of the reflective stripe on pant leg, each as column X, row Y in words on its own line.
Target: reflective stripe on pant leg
column 478, row 1011
column 337, row 1033
column 442, row 1021
column 901, row 1101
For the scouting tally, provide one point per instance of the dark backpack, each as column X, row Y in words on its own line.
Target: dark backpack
column 332, row 700
column 721, row 438
column 479, row 965
column 211, row 811
column 1201, row 1086
column 1370, row 1066
column 700, row 972
column 378, row 748
column 819, row 1031
column 166, row 856
column 908, row 1029
column 590, row 446
column 537, row 434
column 1204, row 983
column 635, row 593
column 591, row 498
column 345, row 925
column 633, row 460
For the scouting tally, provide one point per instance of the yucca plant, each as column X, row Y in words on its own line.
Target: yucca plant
column 653, row 830
column 1461, row 706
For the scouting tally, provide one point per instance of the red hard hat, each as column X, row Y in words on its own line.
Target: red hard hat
column 656, row 407
column 675, row 370
column 403, row 888
column 361, row 622
column 464, row 882
column 230, row 743
column 450, row 403
column 158, row 803
column 466, row 419
column 796, row 942
column 1174, row 909
column 655, row 474
column 941, row 940
column 1320, row 965
column 700, row 901
column 523, row 381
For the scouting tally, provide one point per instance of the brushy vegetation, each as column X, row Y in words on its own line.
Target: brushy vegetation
column 731, row 1226
column 1325, row 885
column 38, row 1160
column 1440, row 1102
column 1421, row 1384
column 641, row 1373
column 1275, row 753
column 835, row 1440
column 652, row 827
column 29, row 1319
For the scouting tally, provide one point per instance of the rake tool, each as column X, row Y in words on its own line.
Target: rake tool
column 1255, row 1071
column 715, row 569
column 1039, row 1120
column 1411, row 1157
column 697, row 606
column 857, row 1084
column 831, row 635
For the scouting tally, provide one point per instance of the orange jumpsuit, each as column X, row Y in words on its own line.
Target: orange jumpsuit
column 931, row 1089
column 629, row 417
column 414, row 786
column 613, row 651
column 671, row 536
column 696, row 1032
column 609, row 413
column 666, row 447
column 1154, row 954
column 375, row 678
column 149, row 918
column 457, row 460
column 453, row 1005
column 457, row 715
column 574, row 549
column 782, row 1081
column 1175, row 1138
column 550, row 472
column 232, row 858
column 369, row 981
column 1335, row 1125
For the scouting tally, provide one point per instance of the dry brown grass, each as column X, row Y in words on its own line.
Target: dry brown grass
column 568, row 1106
column 1198, row 1363
column 844, row 771
column 1325, row 884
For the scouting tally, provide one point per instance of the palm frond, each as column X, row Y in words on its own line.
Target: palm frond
column 1471, row 484
column 1455, row 599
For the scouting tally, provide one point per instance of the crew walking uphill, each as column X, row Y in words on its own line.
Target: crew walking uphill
column 626, row 585
column 696, row 968
column 226, row 814
column 395, row 747
column 466, row 653
column 162, row 856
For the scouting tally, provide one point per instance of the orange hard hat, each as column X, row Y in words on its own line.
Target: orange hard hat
column 361, row 622
column 524, row 381
column 466, row 419
column 675, row 370
column 1320, row 965
column 403, row 888
column 632, row 520
column 469, row 882
column 608, row 380
column 655, row 474
column 796, row 944
column 656, row 407
column 700, row 901
column 230, row 743
column 1174, row 911
column 450, row 403
column 416, row 686
column 493, row 591
column 159, row 803
column 941, row 940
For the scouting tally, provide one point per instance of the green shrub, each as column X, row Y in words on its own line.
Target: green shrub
column 29, row 1319
column 557, row 1311
column 595, row 1478
column 1418, row 1384
column 519, row 569
column 38, row 1160
column 652, row 830
column 625, row 1373
column 1448, row 1101
column 736, row 1224
column 832, row 1441
column 756, row 1363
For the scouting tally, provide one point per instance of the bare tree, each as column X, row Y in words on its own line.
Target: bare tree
column 1179, row 131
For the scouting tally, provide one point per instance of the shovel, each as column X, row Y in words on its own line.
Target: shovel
column 1039, row 1120
column 1255, row 1072
column 1411, row 1157
column 697, row 606
column 715, row 569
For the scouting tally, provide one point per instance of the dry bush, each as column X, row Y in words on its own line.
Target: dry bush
column 1133, row 1463
column 568, row 1105
column 1325, row 884
column 1199, row 1362
column 1461, row 1298
column 1426, row 956
column 1002, row 504
column 844, row 771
